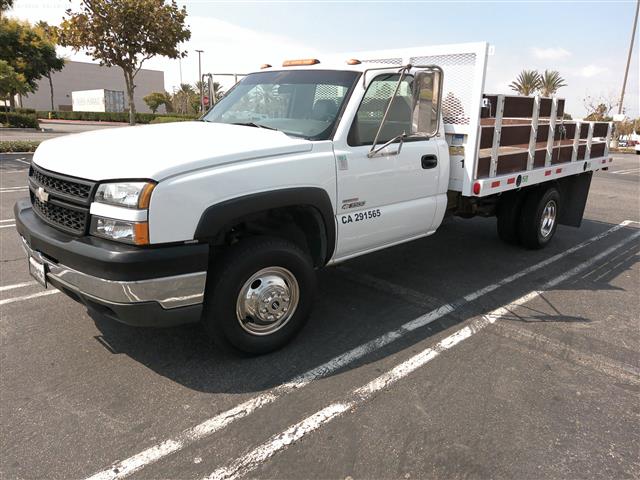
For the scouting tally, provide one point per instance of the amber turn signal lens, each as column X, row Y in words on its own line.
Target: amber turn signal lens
column 145, row 195
column 141, row 233
column 353, row 61
column 265, row 65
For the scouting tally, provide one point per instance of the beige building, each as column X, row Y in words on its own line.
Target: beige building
column 91, row 76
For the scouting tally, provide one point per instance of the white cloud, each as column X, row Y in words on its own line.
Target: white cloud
column 228, row 48
column 591, row 71
column 551, row 53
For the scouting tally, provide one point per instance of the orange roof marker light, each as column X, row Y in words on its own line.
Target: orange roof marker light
column 302, row 61
column 353, row 61
column 265, row 65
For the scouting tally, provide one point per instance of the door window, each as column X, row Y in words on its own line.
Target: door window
column 367, row 121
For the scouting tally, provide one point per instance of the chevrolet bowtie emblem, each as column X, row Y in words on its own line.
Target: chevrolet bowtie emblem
column 42, row 195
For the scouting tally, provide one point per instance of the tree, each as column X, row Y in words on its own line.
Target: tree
column 218, row 92
column 184, row 98
column 156, row 99
column 50, row 34
column 30, row 54
column 599, row 107
column 11, row 82
column 126, row 33
column 5, row 5
column 527, row 82
column 550, row 83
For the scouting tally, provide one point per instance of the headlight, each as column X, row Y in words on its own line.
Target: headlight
column 125, row 194
column 136, row 233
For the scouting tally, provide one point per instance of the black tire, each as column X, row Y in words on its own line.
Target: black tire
column 531, row 218
column 508, row 215
column 233, row 270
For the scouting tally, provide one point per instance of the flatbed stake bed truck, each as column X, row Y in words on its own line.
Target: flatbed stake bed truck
column 225, row 220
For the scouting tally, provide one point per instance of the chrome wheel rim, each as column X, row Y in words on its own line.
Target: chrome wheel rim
column 267, row 301
column 548, row 218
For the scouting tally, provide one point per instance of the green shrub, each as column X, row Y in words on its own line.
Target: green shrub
column 19, row 120
column 105, row 116
column 28, row 111
column 19, row 146
column 170, row 119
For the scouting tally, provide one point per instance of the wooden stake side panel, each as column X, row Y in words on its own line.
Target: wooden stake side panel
column 520, row 135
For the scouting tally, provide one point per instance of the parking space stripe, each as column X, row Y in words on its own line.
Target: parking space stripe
column 13, row 189
column 626, row 171
column 28, row 297
column 124, row 468
column 594, row 361
column 7, row 220
column 294, row 433
column 16, row 285
column 8, row 226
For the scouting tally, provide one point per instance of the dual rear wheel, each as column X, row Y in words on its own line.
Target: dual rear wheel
column 529, row 218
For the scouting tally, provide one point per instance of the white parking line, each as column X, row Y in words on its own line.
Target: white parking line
column 275, row 444
column 22, row 160
column 16, row 285
column 13, row 189
column 124, row 468
column 8, row 226
column 7, row 220
column 28, row 297
column 626, row 171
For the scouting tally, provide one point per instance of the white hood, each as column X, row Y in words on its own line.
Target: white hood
column 159, row 151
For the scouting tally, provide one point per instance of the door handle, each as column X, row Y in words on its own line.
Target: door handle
column 429, row 161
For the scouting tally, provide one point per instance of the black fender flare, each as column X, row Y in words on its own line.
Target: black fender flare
column 220, row 216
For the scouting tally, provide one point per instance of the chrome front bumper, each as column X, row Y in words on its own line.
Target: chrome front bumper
column 169, row 292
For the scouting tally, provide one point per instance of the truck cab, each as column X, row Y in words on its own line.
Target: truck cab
column 224, row 220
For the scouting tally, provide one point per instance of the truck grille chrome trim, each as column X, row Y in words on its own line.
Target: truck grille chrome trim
column 170, row 292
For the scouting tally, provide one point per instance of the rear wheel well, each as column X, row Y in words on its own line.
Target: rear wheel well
column 302, row 225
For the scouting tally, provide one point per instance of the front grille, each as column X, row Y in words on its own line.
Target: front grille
column 72, row 188
column 69, row 219
column 67, row 205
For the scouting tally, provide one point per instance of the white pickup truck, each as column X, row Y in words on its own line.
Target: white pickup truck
column 225, row 220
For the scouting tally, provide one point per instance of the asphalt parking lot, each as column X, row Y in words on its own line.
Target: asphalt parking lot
column 454, row 356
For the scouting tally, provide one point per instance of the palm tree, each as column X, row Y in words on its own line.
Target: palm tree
column 218, row 92
column 550, row 82
column 527, row 83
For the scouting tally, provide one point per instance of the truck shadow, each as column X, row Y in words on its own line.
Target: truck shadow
column 373, row 295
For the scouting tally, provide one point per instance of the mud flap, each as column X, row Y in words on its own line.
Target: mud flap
column 574, row 191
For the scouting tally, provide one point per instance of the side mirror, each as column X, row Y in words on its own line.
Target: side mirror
column 427, row 98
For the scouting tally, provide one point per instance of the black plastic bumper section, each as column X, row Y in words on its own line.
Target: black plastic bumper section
column 106, row 259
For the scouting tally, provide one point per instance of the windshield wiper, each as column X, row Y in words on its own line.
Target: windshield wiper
column 253, row 124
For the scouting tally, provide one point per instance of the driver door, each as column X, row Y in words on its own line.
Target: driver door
column 391, row 197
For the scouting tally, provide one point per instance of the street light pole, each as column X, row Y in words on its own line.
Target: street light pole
column 200, row 81
column 626, row 72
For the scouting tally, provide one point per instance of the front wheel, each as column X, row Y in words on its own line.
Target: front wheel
column 260, row 295
column 539, row 218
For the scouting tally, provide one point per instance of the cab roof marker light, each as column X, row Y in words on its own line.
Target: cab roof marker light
column 265, row 65
column 353, row 61
column 301, row 61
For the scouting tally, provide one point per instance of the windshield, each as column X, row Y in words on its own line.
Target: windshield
column 301, row 103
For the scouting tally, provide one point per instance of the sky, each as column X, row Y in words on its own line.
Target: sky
column 586, row 41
